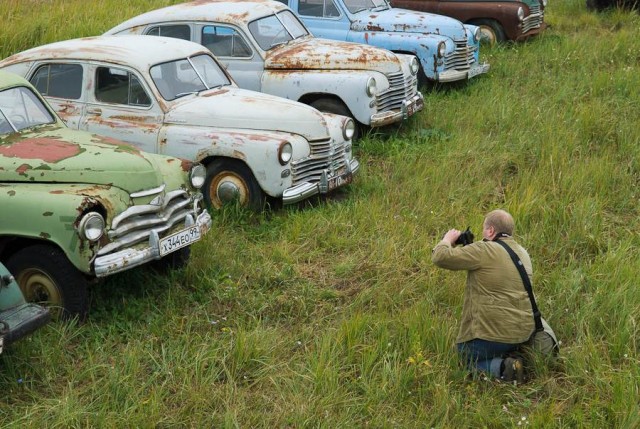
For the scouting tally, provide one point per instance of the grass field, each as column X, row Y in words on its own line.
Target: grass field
column 331, row 315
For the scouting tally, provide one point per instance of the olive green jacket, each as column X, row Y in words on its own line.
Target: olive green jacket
column 496, row 306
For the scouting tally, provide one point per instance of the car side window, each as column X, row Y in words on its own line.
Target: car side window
column 59, row 80
column 224, row 42
column 318, row 8
column 114, row 85
column 176, row 31
column 285, row 2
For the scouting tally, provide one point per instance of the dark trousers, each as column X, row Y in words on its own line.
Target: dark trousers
column 485, row 356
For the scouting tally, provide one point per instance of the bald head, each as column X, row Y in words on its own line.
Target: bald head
column 501, row 221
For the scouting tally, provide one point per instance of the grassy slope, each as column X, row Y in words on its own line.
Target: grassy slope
column 333, row 315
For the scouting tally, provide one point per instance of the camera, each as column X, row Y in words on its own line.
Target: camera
column 465, row 238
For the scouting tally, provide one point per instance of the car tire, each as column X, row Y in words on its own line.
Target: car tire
column 491, row 31
column 48, row 278
column 173, row 261
column 331, row 105
column 228, row 181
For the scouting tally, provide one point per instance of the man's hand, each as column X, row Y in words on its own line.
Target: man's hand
column 451, row 236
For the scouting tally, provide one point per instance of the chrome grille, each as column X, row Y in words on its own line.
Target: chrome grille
column 534, row 20
column 325, row 155
column 401, row 88
column 135, row 224
column 462, row 58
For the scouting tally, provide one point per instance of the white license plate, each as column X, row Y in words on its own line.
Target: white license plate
column 475, row 72
column 414, row 107
column 341, row 180
column 179, row 240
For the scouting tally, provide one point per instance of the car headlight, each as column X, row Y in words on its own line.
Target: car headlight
column 544, row 3
column 415, row 66
column 285, row 152
column 520, row 13
column 442, row 49
column 371, row 87
column 477, row 35
column 197, row 175
column 91, row 226
column 348, row 129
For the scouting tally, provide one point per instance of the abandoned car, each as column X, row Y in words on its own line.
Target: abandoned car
column 266, row 48
column 77, row 207
column 171, row 96
column 499, row 20
column 447, row 49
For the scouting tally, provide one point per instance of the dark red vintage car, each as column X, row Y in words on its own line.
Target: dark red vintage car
column 499, row 20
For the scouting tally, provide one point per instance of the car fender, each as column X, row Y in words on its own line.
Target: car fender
column 295, row 85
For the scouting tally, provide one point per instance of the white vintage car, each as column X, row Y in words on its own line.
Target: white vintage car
column 172, row 96
column 266, row 48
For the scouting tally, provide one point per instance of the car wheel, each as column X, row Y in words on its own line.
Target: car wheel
column 46, row 277
column 491, row 32
column 331, row 105
column 229, row 182
column 173, row 261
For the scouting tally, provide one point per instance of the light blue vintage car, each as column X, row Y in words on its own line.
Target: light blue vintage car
column 447, row 49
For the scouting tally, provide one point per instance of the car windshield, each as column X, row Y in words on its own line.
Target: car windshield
column 186, row 76
column 20, row 108
column 274, row 30
column 358, row 5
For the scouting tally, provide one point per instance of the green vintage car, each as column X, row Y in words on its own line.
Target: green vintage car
column 18, row 318
column 75, row 207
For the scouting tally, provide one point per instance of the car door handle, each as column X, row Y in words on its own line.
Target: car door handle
column 94, row 111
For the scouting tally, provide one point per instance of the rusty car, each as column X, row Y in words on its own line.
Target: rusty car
column 266, row 48
column 18, row 318
column 78, row 207
column 171, row 96
column 447, row 49
column 499, row 20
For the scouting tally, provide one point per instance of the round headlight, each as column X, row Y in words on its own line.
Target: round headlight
column 442, row 49
column 415, row 66
column 348, row 129
column 197, row 175
column 91, row 226
column 371, row 87
column 520, row 13
column 285, row 152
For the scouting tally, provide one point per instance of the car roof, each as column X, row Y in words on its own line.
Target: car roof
column 140, row 52
column 11, row 79
column 228, row 11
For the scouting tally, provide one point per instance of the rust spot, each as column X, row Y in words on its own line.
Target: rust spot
column 11, row 193
column 185, row 164
column 46, row 149
column 23, row 168
column 45, row 235
column 56, row 192
column 47, row 214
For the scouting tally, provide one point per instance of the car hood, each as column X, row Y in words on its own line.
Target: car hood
column 312, row 53
column 408, row 21
column 54, row 154
column 235, row 108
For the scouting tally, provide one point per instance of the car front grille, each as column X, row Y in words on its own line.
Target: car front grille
column 462, row 58
column 401, row 88
column 134, row 225
column 325, row 155
column 534, row 20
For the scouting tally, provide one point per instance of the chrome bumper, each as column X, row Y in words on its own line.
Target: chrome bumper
column 128, row 258
column 409, row 107
column 453, row 75
column 326, row 184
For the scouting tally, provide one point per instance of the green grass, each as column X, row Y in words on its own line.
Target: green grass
column 331, row 314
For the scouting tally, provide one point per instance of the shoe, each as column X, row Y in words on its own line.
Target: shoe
column 513, row 370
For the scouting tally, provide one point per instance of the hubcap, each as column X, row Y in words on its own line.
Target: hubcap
column 38, row 287
column 487, row 35
column 228, row 187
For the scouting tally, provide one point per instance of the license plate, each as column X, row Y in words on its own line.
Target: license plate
column 475, row 72
column 179, row 240
column 337, row 181
column 414, row 107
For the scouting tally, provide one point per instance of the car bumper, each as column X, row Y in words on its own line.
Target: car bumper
column 409, row 108
column 20, row 321
column 454, row 75
column 128, row 258
column 326, row 184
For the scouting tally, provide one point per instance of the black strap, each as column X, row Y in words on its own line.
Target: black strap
column 527, row 283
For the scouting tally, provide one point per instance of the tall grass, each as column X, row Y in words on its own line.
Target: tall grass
column 330, row 314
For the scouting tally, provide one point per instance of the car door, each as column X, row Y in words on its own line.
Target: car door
column 120, row 105
column 324, row 18
column 235, row 52
column 61, row 83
